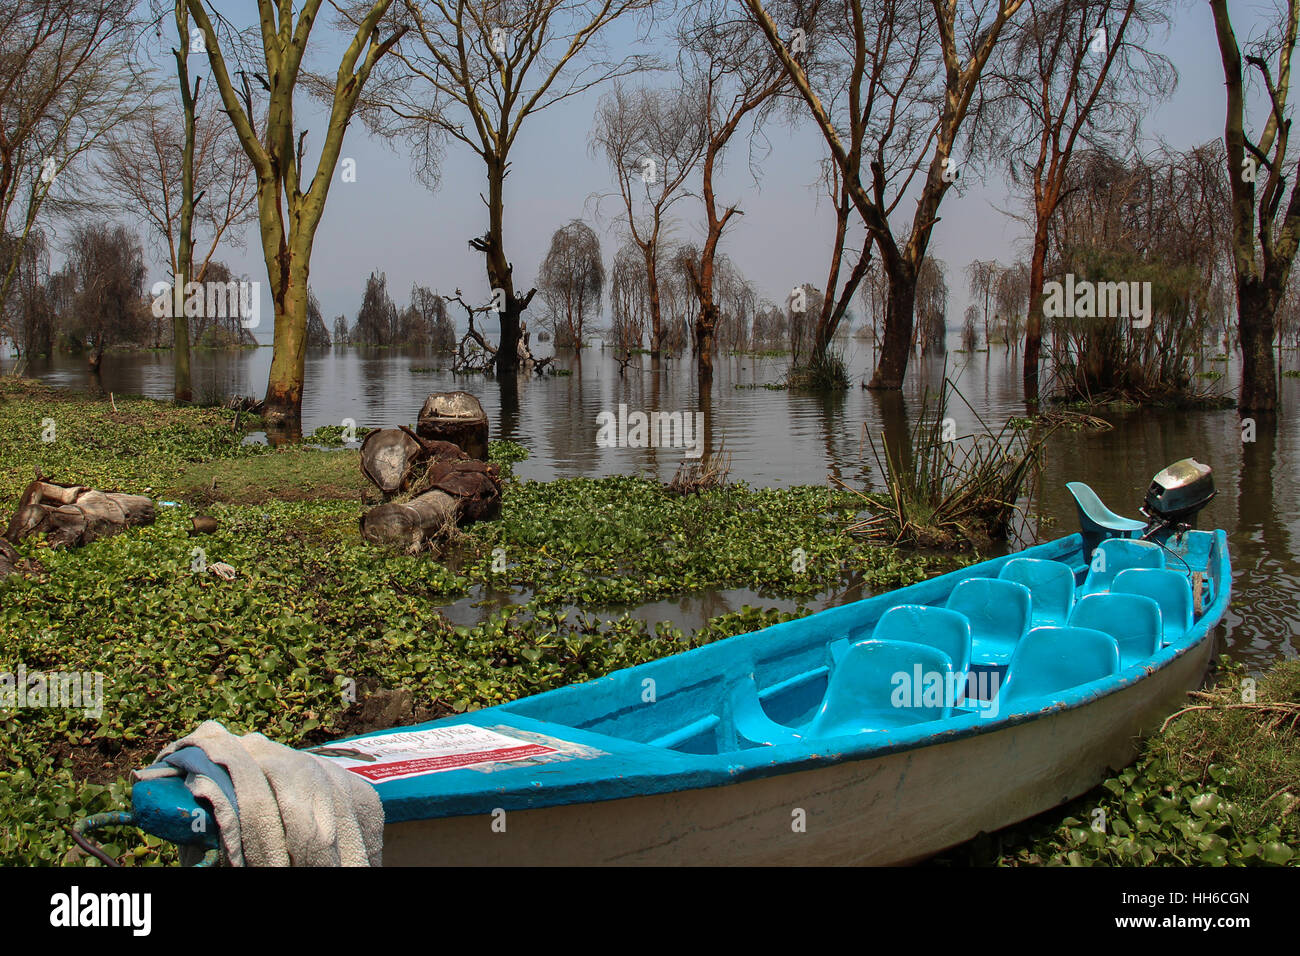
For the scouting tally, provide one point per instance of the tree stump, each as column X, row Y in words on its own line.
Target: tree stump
column 455, row 417
column 459, row 493
column 389, row 456
column 72, row 515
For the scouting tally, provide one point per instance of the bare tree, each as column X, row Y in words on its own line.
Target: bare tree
column 29, row 315
column 981, row 274
column 970, row 336
column 572, row 282
column 629, row 295
column 288, row 214
column 725, row 59
column 65, row 81
column 474, row 72
column 653, row 140
column 377, row 319
column 1070, row 72
column 893, row 88
column 108, row 264
column 1263, row 245
column 931, row 306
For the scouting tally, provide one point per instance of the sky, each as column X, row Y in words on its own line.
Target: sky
column 388, row 221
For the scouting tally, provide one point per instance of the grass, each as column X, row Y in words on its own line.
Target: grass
column 826, row 373
column 946, row 490
column 286, row 474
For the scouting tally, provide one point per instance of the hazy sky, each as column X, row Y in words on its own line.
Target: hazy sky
column 388, row 221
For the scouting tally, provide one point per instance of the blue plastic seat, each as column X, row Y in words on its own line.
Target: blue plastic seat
column 1170, row 589
column 1053, row 659
column 935, row 627
column 750, row 722
column 1116, row 555
column 871, row 689
column 1133, row 620
column 998, row 612
column 1096, row 521
column 1051, row 584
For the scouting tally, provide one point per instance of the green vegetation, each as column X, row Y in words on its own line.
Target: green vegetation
column 1219, row 786
column 312, row 607
column 826, row 373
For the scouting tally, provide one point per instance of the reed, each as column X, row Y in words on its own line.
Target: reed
column 948, row 491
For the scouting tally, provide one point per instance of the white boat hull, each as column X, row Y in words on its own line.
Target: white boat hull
column 886, row 810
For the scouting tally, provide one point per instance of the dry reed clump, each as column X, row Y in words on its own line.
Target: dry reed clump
column 708, row 472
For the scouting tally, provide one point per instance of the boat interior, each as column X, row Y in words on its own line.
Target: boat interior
column 1002, row 637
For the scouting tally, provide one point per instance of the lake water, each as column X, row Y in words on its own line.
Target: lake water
column 780, row 438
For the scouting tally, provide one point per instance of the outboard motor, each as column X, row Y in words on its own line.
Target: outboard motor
column 1175, row 497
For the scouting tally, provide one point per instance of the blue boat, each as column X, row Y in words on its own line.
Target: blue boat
column 879, row 732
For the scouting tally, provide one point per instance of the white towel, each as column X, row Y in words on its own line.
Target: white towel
column 295, row 808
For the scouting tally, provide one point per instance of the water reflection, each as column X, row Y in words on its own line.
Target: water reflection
column 779, row 438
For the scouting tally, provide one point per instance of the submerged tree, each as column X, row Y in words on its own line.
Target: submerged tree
column 108, row 265
column 1265, row 221
column 653, row 140
column 572, row 282
column 473, row 72
column 290, row 200
column 726, row 63
column 377, row 321
column 65, row 82
column 1072, row 73
column 890, row 90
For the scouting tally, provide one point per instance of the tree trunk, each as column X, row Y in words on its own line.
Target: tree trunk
column 283, row 403
column 1255, row 310
column 455, row 417
column 72, row 515
column 900, row 317
column 1034, row 321
column 656, row 313
column 411, row 524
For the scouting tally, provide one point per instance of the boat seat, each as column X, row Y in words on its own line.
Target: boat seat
column 1054, row 659
column 998, row 612
column 1170, row 589
column 861, row 695
column 936, row 627
column 1096, row 521
column 750, row 722
column 1116, row 555
column 1133, row 620
column 1051, row 584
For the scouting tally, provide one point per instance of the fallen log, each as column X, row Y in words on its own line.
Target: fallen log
column 72, row 515
column 455, row 417
column 456, row 493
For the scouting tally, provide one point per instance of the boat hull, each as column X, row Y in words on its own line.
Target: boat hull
column 890, row 809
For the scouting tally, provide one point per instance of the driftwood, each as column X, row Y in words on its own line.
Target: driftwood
column 11, row 561
column 72, row 515
column 458, row 493
column 455, row 417
column 389, row 456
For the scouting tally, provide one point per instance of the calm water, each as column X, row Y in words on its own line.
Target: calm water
column 777, row 438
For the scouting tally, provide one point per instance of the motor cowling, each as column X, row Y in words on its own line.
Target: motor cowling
column 1178, row 492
